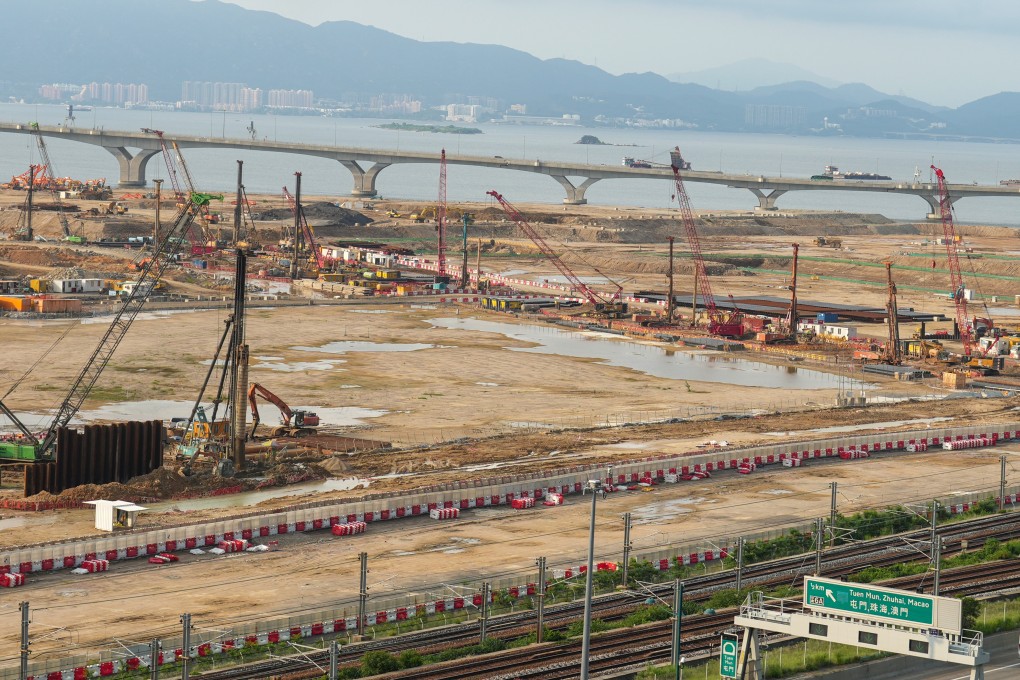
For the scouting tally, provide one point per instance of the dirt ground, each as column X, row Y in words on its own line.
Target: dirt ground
column 420, row 383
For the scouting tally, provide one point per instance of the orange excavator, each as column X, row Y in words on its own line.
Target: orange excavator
column 295, row 422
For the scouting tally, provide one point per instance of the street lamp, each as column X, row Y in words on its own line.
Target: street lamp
column 594, row 486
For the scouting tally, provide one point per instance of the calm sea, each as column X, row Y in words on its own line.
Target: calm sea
column 215, row 170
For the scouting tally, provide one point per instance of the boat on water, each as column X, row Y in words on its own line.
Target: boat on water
column 831, row 172
column 1009, row 182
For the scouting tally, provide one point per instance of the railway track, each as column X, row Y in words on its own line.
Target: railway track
column 836, row 562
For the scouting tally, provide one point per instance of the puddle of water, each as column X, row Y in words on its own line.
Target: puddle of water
column 629, row 445
column 664, row 510
column 424, row 307
column 299, row 366
column 583, row 279
column 1003, row 311
column 513, row 272
column 777, row 492
column 487, row 384
column 253, row 497
column 269, row 358
column 854, row 428
column 652, row 359
column 345, row 346
column 165, row 409
column 371, row 311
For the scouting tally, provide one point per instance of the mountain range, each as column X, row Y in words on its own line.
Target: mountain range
column 165, row 42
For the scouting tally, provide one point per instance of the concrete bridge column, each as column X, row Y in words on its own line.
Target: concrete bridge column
column 767, row 201
column 364, row 180
column 935, row 212
column 132, row 168
column 575, row 194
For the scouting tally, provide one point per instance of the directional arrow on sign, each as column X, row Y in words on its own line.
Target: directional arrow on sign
column 828, row 594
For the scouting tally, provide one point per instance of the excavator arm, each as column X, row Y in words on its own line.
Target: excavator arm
column 256, row 390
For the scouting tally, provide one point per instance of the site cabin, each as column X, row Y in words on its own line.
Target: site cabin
column 9, row 287
column 76, row 285
column 111, row 515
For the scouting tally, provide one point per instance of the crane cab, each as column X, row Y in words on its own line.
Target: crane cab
column 305, row 419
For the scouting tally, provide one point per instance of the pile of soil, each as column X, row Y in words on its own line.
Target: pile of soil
column 322, row 213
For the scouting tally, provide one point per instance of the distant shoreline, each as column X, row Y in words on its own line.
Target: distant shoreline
column 445, row 129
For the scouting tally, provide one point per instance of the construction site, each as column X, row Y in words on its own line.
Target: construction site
column 215, row 360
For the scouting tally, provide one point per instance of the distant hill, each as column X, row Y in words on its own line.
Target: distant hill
column 165, row 42
column 748, row 74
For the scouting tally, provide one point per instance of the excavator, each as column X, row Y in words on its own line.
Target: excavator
column 296, row 423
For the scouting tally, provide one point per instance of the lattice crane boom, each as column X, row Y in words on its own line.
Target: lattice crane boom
column 591, row 295
column 49, row 178
column 963, row 320
column 731, row 324
column 171, row 163
column 693, row 240
column 320, row 261
column 441, row 217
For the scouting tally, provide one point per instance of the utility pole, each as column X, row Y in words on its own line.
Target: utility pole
column 297, row 225
column 678, row 612
column 694, row 299
column 155, row 225
column 363, row 593
column 24, row 639
column 483, row 624
column 819, row 536
column 29, row 236
column 626, row 546
column 186, row 644
column 237, row 207
column 669, row 299
column 937, row 558
column 478, row 265
column 154, row 659
column 740, row 562
column 465, row 278
column 832, row 516
column 334, row 660
column 541, row 600
column 595, row 487
column 1002, row 483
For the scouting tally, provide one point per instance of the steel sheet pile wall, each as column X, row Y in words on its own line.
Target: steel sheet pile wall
column 99, row 454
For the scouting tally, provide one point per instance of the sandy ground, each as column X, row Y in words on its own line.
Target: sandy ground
column 430, row 558
column 447, row 383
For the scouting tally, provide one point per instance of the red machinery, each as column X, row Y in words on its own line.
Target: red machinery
column 320, row 261
column 304, row 422
column 604, row 306
column 731, row 325
column 441, row 217
column 968, row 333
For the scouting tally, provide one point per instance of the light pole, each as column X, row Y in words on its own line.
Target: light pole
column 593, row 486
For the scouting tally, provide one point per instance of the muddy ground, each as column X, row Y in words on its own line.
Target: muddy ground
column 419, row 382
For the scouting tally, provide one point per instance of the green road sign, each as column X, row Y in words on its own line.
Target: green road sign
column 728, row 646
column 869, row 602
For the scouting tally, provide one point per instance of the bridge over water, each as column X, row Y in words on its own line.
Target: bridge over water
column 365, row 165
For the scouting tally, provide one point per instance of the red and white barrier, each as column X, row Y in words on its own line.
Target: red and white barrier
column 746, row 468
column 976, row 443
column 553, row 499
column 522, row 503
column 349, row 529
column 236, row 545
column 444, row 513
column 94, row 566
column 792, row 462
column 853, row 455
column 12, row 580
column 917, row 446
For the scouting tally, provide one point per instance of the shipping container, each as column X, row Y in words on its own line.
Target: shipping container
column 16, row 303
column 48, row 305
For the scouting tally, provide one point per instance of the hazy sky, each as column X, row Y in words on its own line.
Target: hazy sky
column 944, row 52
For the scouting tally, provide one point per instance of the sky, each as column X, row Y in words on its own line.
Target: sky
column 944, row 52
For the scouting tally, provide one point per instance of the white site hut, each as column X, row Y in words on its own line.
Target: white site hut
column 112, row 515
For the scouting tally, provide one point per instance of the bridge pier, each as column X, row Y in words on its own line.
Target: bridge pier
column 767, row 201
column 935, row 213
column 364, row 180
column 575, row 194
column 132, row 167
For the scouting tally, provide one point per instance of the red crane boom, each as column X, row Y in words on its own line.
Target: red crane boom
column 597, row 300
column 320, row 260
column 731, row 326
column 963, row 320
column 441, row 216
